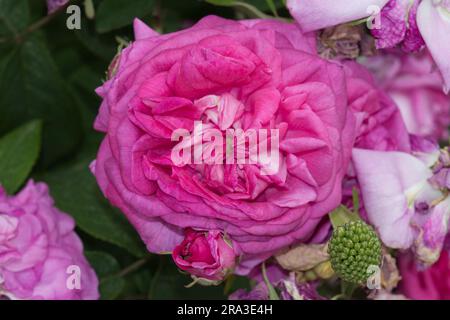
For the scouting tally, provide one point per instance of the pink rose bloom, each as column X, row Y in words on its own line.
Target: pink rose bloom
column 40, row 254
column 254, row 74
column 379, row 123
column 416, row 86
column 430, row 284
column 205, row 255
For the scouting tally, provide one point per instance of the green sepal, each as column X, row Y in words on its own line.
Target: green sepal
column 342, row 215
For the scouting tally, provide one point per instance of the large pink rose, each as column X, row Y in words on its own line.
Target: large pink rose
column 416, row 86
column 41, row 257
column 430, row 284
column 254, row 74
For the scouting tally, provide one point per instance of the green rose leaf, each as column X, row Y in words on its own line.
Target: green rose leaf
column 107, row 268
column 31, row 88
column 115, row 14
column 76, row 192
column 19, row 151
column 14, row 16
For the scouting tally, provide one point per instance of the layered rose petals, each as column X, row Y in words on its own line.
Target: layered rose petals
column 39, row 251
column 256, row 74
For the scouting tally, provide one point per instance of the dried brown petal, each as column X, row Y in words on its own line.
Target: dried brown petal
column 303, row 257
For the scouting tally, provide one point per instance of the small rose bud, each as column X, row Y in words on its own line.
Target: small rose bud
column 54, row 5
column 206, row 255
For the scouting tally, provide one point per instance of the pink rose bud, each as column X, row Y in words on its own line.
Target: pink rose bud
column 206, row 255
column 54, row 5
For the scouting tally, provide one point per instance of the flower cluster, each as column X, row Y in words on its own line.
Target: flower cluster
column 360, row 183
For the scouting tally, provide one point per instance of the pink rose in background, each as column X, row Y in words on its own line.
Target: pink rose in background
column 205, row 255
column 430, row 284
column 416, row 86
column 255, row 74
column 400, row 23
column 38, row 246
column 379, row 123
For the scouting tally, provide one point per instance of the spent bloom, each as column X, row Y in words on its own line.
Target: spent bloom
column 404, row 22
column 402, row 200
column 287, row 288
column 398, row 26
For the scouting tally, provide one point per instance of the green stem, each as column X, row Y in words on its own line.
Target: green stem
column 129, row 269
column 273, row 295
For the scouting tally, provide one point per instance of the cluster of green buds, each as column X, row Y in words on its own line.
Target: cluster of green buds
column 354, row 249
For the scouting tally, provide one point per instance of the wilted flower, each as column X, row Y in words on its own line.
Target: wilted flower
column 302, row 257
column 398, row 26
column 287, row 289
column 401, row 203
column 399, row 23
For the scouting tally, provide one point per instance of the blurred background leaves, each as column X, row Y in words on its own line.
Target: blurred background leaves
column 48, row 75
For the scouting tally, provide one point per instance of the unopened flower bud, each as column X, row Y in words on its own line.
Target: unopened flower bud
column 353, row 248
